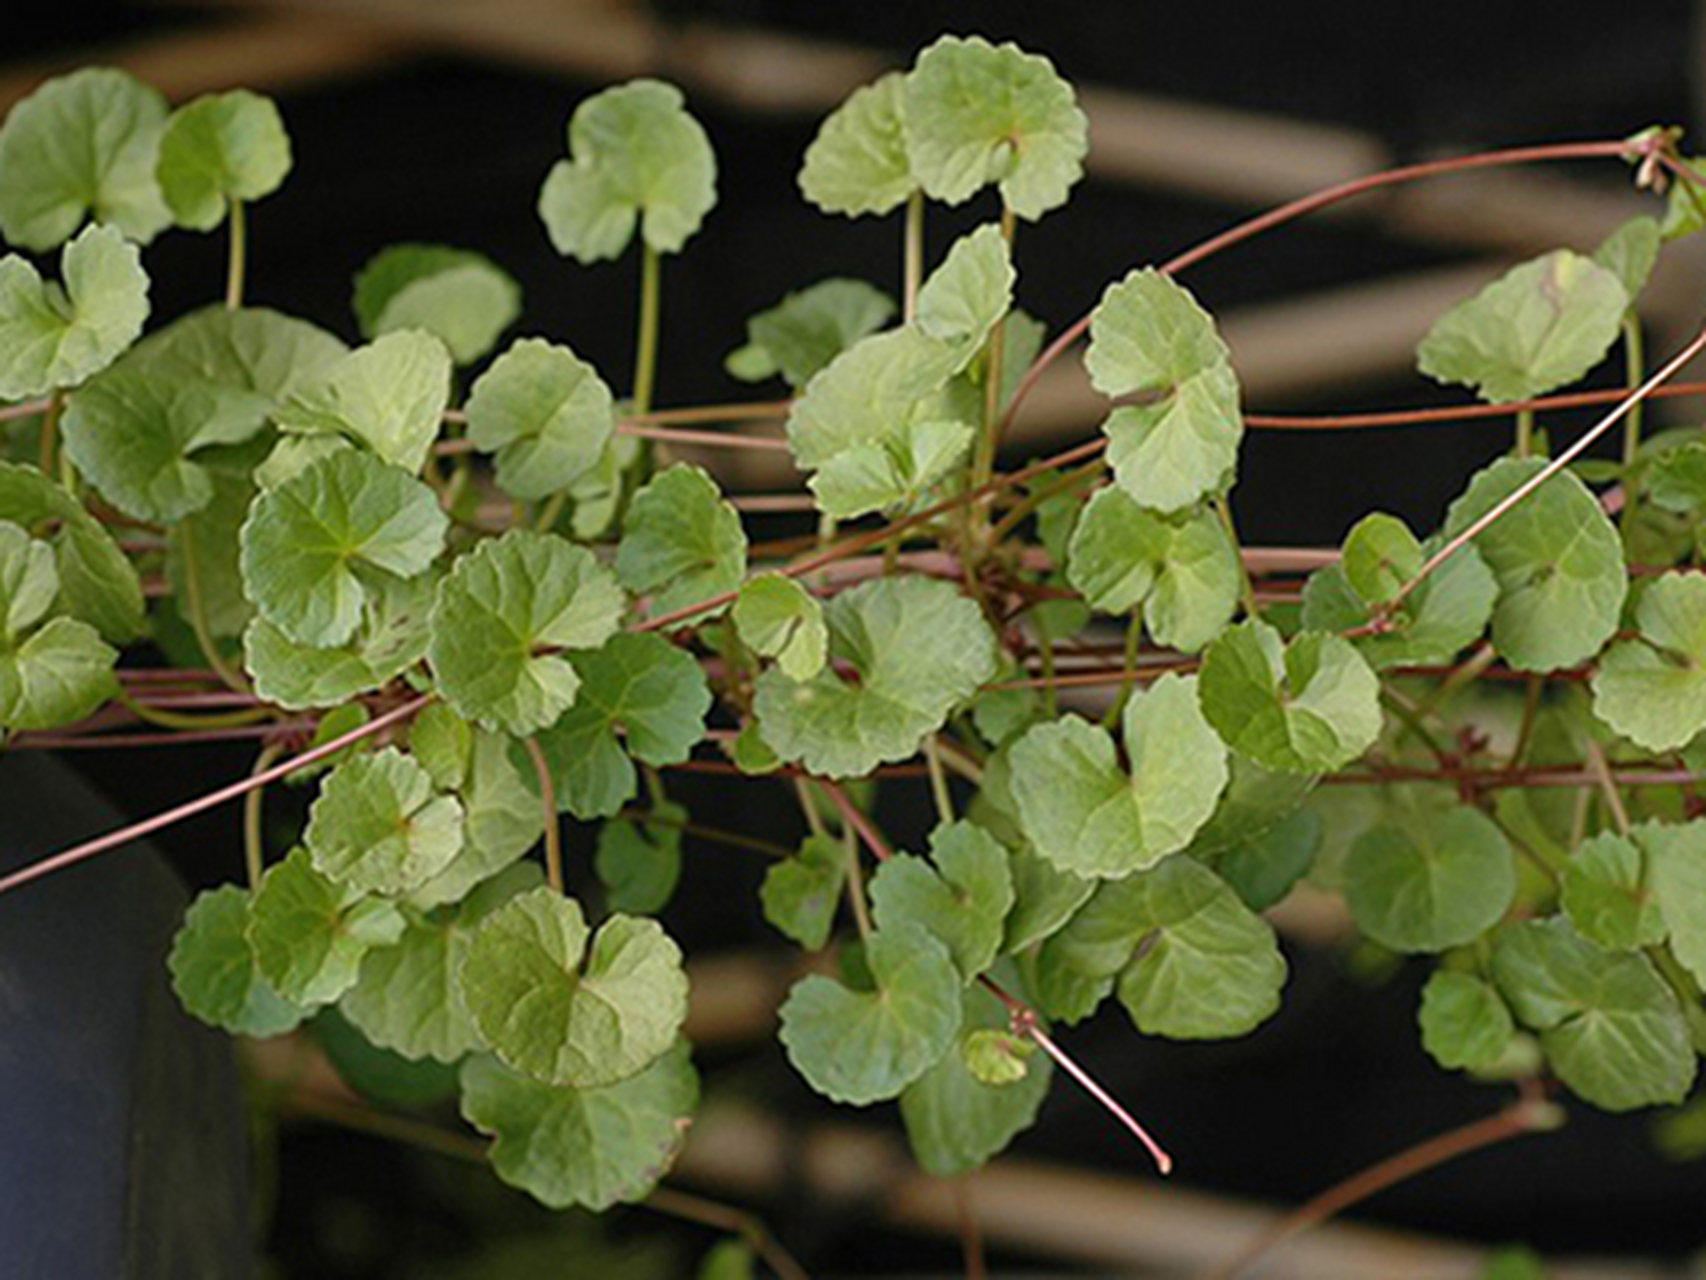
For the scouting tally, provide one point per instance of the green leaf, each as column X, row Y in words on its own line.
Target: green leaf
column 1044, row 898
column 1652, row 689
column 214, row 535
column 405, row 998
column 866, row 393
column 1612, row 1030
column 860, row 1047
column 267, row 355
column 640, row 861
column 55, row 336
column 960, row 896
column 547, row 415
column 780, row 619
column 809, row 328
column 640, row 683
column 377, row 825
column 442, row 743
column 1310, row 706
column 1255, row 801
column 1436, row 880
column 919, row 649
column 1444, row 615
column 1676, row 479
column 462, row 297
column 997, row 1057
column 1558, row 560
column 1087, row 816
column 143, row 442
column 1149, row 337
column 310, row 933
column 1183, row 573
column 1685, row 211
column 392, row 638
column 1677, row 855
column 891, row 473
column 1630, row 253
column 29, row 581
column 55, row 675
column 799, row 894
column 390, row 395
column 956, row 1122
column 82, row 145
column 565, row 1012
column 1540, row 326
column 976, row 113
column 1464, row 1022
column 502, row 604
column 970, row 292
column 1381, row 555
column 588, row 1146
column 634, row 153
column 315, row 548
column 97, row 583
column 1608, row 896
column 222, row 147
column 681, row 541
column 214, row 971
column 502, row 820
column 1264, row 869
column 379, row 1075
column 858, row 161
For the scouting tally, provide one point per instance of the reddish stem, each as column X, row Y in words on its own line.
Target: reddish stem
column 213, row 799
column 175, row 738
column 1455, row 413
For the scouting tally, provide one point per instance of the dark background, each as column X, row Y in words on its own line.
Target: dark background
column 450, row 144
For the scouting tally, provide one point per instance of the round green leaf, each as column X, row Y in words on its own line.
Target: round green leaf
column 546, row 414
column 955, row 1121
column 960, row 896
column 502, row 604
column 219, row 148
column 681, row 541
column 97, row 582
column 29, row 581
column 56, row 675
column 639, row 862
column 893, row 473
column 1538, row 327
column 52, row 337
column 865, row 394
column 390, row 395
column 377, row 825
column 1149, row 337
column 1310, row 706
column 1464, row 1023
column 1677, row 857
column 860, row 1047
column 780, row 619
column 634, row 153
column 502, row 818
column 809, row 328
column 1653, row 689
column 462, row 297
column 969, row 293
column 976, row 113
column 310, row 933
column 1559, row 562
column 1183, row 572
column 858, row 163
column 559, row 1020
column 593, row 1147
column 214, row 971
column 1087, row 816
column 919, row 649
column 392, row 638
column 655, row 692
column 1436, row 881
column 1381, row 555
column 799, row 894
column 1611, row 1029
column 313, row 545
column 82, row 145
column 1608, row 896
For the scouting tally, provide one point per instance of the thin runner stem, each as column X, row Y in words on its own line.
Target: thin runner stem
column 553, row 825
column 253, row 847
column 237, row 258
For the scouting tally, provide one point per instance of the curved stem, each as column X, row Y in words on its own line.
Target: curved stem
column 553, row 825
column 212, row 800
column 253, row 852
column 939, row 792
column 197, row 606
column 165, row 719
column 646, row 349
column 1528, row 1114
column 236, row 261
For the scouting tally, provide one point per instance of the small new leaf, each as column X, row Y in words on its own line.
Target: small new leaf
column 505, row 602
column 860, row 1047
column 1463, row 1021
column 566, row 1006
column 223, row 147
column 681, row 541
column 1652, row 688
column 799, row 893
column 778, row 618
column 310, row 933
column 635, row 154
column 807, row 329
